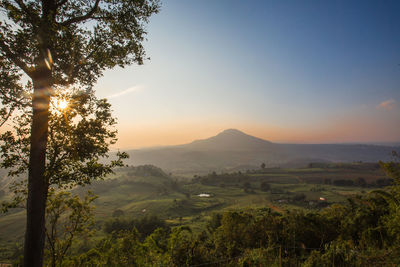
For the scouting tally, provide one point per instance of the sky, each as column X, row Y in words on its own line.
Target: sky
column 285, row 71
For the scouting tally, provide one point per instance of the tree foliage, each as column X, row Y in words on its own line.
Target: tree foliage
column 58, row 44
column 145, row 226
column 79, row 139
column 67, row 217
column 364, row 231
column 77, row 39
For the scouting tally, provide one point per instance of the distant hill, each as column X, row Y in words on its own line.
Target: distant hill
column 230, row 140
column 232, row 149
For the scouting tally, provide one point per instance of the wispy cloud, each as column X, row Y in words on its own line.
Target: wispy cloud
column 126, row 91
column 388, row 104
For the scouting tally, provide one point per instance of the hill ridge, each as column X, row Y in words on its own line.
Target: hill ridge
column 232, row 148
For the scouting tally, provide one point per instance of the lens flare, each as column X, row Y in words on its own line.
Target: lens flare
column 62, row 104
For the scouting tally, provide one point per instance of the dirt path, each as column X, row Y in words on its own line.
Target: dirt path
column 275, row 208
column 299, row 179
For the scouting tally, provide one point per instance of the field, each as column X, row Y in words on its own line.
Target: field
column 140, row 191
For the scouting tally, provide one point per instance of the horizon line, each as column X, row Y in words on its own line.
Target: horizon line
column 394, row 143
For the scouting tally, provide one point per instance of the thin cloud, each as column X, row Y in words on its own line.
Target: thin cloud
column 126, row 91
column 388, row 104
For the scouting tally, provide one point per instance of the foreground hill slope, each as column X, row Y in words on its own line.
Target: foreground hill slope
column 233, row 148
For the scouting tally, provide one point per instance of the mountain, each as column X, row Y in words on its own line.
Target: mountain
column 232, row 148
column 230, row 140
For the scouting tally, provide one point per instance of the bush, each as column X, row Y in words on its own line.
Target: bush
column 299, row 197
column 118, row 213
column 144, row 226
column 264, row 186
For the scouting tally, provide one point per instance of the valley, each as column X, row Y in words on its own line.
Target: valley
column 143, row 191
column 198, row 182
column 233, row 150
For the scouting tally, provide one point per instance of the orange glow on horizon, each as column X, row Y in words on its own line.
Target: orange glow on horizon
column 166, row 135
column 339, row 131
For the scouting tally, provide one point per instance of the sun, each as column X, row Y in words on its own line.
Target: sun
column 62, row 104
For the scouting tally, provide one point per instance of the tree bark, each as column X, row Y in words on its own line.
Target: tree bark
column 37, row 184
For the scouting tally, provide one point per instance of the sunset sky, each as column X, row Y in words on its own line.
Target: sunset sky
column 285, row 71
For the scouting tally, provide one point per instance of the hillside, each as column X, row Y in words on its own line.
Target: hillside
column 142, row 190
column 233, row 148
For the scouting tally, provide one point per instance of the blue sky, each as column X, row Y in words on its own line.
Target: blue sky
column 286, row 71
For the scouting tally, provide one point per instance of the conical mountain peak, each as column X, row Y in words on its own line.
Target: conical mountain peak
column 232, row 132
column 230, row 139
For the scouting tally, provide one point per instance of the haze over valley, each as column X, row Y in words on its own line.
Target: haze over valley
column 235, row 150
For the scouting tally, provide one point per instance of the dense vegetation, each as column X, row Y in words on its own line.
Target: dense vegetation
column 351, row 234
column 361, row 229
column 365, row 231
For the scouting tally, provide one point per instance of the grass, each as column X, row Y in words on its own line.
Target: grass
column 179, row 203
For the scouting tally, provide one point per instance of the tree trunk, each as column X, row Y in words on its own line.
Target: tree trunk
column 37, row 184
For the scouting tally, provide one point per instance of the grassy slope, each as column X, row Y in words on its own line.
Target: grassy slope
column 139, row 194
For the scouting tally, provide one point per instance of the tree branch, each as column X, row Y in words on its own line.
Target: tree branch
column 61, row 3
column 14, row 102
column 27, row 11
column 84, row 17
column 76, row 67
column 7, row 116
column 50, row 241
column 14, row 58
column 21, row 157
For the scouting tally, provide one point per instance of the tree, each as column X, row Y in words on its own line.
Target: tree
column 361, row 182
column 118, row 213
column 265, row 186
column 79, row 136
column 392, row 168
column 263, row 165
column 246, row 187
column 66, row 217
column 59, row 43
